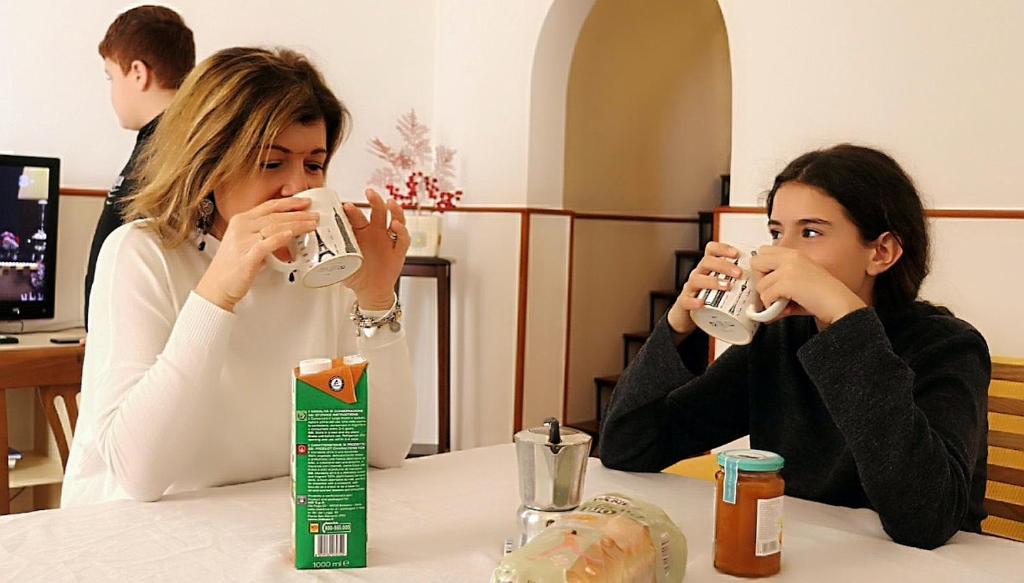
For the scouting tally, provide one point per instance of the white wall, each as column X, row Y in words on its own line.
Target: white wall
column 352, row 42
column 548, row 93
column 977, row 285
column 937, row 83
column 72, row 117
column 483, row 66
column 419, row 317
column 547, row 293
column 485, row 248
column 934, row 83
column 75, row 227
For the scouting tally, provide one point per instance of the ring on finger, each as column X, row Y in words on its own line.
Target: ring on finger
column 393, row 235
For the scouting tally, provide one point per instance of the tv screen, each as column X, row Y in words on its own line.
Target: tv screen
column 29, row 194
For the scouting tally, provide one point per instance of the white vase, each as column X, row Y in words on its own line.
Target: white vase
column 425, row 234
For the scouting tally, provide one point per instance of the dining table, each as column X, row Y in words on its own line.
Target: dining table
column 445, row 519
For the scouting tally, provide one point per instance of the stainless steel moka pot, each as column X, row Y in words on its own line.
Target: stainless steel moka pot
column 552, row 468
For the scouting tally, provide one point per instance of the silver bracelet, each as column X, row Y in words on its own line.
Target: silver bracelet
column 367, row 326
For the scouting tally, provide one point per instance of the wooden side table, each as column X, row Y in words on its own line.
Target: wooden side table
column 33, row 363
column 440, row 270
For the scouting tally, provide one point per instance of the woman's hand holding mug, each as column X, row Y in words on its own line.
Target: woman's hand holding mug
column 383, row 245
column 249, row 239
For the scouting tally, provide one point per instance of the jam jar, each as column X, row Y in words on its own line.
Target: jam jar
column 748, row 513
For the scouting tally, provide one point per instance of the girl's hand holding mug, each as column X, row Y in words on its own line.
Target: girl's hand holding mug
column 789, row 274
column 718, row 258
column 725, row 293
column 721, row 297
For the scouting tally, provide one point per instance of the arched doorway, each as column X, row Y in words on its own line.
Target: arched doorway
column 631, row 115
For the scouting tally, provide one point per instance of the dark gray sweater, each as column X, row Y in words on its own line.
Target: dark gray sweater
column 884, row 413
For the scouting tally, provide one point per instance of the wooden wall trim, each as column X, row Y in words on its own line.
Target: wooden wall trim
column 524, row 272
column 520, row 210
column 571, row 214
column 1003, row 214
column 634, row 218
column 592, row 216
column 715, row 231
column 975, row 213
column 82, row 192
column 568, row 321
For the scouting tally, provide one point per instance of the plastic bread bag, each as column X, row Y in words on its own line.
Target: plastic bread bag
column 611, row 538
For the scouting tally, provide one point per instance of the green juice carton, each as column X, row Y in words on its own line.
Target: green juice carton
column 329, row 424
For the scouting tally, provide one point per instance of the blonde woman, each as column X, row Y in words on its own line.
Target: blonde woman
column 185, row 381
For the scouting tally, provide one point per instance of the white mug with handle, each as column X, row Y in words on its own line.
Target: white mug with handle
column 734, row 315
column 328, row 255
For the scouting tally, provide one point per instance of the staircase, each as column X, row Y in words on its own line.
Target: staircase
column 659, row 302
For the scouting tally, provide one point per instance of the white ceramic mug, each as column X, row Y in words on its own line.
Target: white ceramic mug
column 733, row 315
column 329, row 254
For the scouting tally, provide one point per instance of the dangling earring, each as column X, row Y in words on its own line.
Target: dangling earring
column 204, row 222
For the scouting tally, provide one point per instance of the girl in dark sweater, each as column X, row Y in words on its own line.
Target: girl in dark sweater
column 873, row 398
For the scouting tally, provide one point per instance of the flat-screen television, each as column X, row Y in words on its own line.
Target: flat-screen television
column 29, row 194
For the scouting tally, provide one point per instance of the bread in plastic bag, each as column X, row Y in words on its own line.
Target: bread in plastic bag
column 611, row 538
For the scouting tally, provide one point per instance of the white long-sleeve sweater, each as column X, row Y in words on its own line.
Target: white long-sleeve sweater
column 178, row 394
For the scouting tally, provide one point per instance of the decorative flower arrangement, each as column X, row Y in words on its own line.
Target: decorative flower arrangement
column 416, row 172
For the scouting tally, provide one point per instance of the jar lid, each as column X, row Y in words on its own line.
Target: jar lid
column 752, row 460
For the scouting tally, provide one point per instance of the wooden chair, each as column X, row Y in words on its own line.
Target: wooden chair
column 1004, row 497
column 702, row 467
column 33, row 366
column 60, row 404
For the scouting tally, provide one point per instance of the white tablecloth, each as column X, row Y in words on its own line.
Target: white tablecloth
column 444, row 519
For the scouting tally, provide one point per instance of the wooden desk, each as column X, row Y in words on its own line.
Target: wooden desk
column 440, row 270
column 34, row 362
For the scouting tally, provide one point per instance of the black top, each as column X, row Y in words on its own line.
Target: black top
column 884, row 413
column 111, row 216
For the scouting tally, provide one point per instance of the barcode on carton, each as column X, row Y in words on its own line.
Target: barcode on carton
column 330, row 545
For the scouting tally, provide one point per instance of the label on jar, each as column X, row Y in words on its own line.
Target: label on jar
column 732, row 470
column 769, row 527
